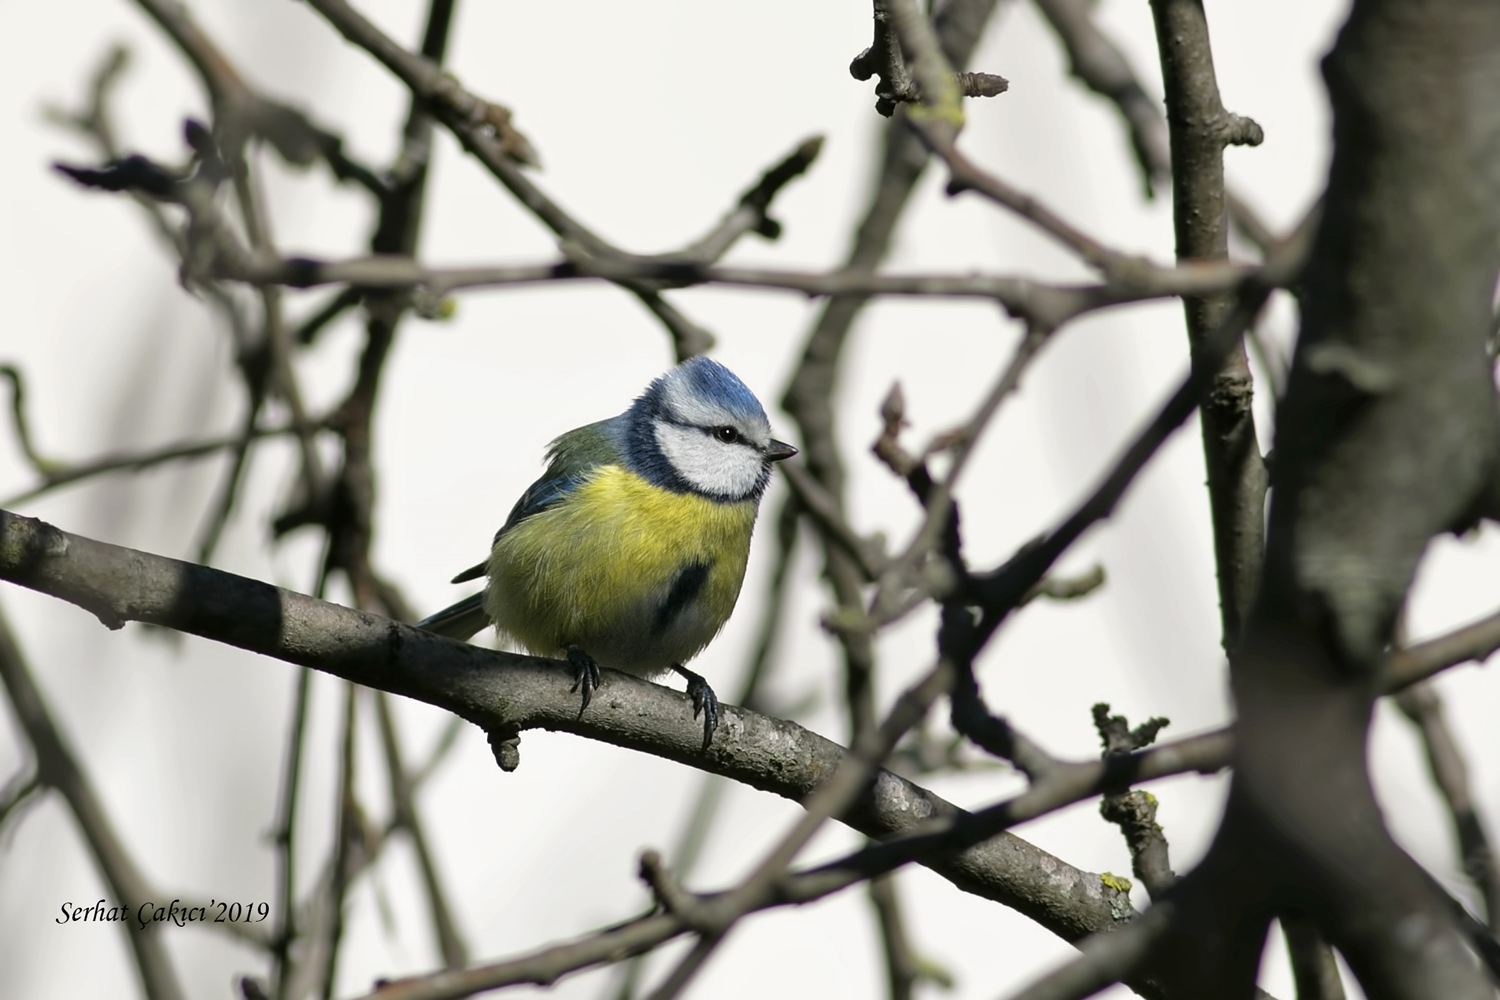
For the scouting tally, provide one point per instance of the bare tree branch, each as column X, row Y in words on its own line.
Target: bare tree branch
column 1475, row 641
column 485, row 131
column 20, row 790
column 1200, row 128
column 348, row 835
column 1388, row 435
column 449, row 938
column 283, row 838
column 119, row 585
column 1421, row 704
column 1134, row 812
column 1107, row 959
column 1047, row 305
column 1100, row 65
column 1384, row 433
column 1000, row 590
column 58, row 768
column 57, row 474
column 1314, row 969
column 897, row 85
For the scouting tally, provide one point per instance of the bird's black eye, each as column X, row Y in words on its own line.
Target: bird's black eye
column 726, row 434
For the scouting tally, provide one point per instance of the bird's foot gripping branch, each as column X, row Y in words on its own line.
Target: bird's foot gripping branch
column 506, row 694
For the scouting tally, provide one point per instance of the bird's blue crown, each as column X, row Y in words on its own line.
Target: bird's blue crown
column 700, row 392
column 706, row 379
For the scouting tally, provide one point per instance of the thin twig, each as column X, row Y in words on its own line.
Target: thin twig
column 751, row 214
column 450, row 940
column 809, row 397
column 485, row 131
column 58, row 768
column 1134, row 811
column 96, row 123
column 715, row 920
column 283, row 836
column 61, row 474
column 20, row 790
column 1000, row 590
column 965, row 175
column 229, row 483
column 22, row 426
column 1314, row 969
column 275, row 333
column 1475, row 641
column 1101, row 66
column 824, row 511
column 939, row 530
column 1047, row 305
column 1450, row 773
column 542, row 968
column 242, row 113
column 1107, row 959
column 347, row 831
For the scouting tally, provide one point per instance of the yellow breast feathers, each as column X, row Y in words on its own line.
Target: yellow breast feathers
column 637, row 576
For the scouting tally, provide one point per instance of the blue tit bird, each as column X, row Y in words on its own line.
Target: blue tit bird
column 630, row 550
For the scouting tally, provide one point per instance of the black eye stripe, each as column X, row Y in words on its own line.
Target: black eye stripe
column 714, row 432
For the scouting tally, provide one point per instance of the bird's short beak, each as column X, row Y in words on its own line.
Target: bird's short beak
column 776, row 451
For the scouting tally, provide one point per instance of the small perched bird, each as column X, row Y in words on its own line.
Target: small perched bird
column 630, row 550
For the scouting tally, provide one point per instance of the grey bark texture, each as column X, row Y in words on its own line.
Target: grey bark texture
column 504, row 692
column 1387, row 436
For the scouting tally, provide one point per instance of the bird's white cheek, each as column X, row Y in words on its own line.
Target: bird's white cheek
column 729, row 470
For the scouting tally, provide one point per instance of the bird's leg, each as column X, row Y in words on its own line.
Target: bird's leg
column 705, row 702
column 585, row 674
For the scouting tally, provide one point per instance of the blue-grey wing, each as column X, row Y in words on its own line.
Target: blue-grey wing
column 574, row 456
column 545, row 492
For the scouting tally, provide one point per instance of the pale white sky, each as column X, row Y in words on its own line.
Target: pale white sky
column 650, row 119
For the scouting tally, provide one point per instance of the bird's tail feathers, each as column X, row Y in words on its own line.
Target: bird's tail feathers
column 458, row 621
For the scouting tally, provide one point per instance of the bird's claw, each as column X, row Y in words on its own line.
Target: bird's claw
column 705, row 702
column 585, row 674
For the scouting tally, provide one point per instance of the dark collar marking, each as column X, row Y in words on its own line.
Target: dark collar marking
column 685, row 589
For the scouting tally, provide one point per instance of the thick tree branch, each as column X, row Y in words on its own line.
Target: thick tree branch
column 497, row 690
column 1387, row 436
